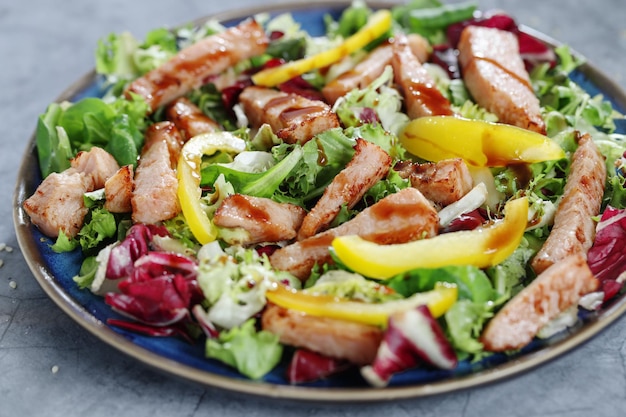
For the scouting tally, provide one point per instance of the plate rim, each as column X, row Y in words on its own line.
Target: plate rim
column 511, row 368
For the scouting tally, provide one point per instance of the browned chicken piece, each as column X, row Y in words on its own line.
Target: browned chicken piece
column 168, row 133
column 340, row 339
column 421, row 95
column 191, row 67
column 362, row 75
column 553, row 291
column 443, row 182
column 369, row 165
column 574, row 228
column 495, row 75
column 97, row 164
column 293, row 118
column 58, row 203
column 401, row 217
column 189, row 119
column 371, row 67
column 118, row 191
column 155, row 189
column 265, row 220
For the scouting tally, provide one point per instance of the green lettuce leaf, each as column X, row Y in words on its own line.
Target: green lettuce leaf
column 252, row 353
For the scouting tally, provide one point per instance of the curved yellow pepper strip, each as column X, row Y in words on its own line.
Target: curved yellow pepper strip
column 478, row 142
column 377, row 25
column 482, row 247
column 188, row 173
column 438, row 300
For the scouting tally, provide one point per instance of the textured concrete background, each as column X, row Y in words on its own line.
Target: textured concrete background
column 44, row 47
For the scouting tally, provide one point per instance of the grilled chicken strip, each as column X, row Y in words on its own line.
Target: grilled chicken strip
column 265, row 220
column 443, row 182
column 368, row 165
column 362, row 75
column 574, row 228
column 189, row 119
column 118, row 191
column 371, row 67
column 191, row 67
column 397, row 218
column 421, row 96
column 553, row 291
column 57, row 204
column 293, row 118
column 495, row 75
column 340, row 339
column 154, row 196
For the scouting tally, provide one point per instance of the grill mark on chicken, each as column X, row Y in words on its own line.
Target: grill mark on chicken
column 191, row 67
column 341, row 339
column 189, row 119
column 265, row 220
column 421, row 95
column 495, row 75
column 397, row 218
column 368, row 165
column 293, row 118
column 443, row 182
column 574, row 227
column 553, row 291
column 154, row 197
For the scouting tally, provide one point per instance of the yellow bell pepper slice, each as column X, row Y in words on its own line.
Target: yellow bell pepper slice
column 438, row 300
column 188, row 173
column 482, row 247
column 478, row 142
column 377, row 25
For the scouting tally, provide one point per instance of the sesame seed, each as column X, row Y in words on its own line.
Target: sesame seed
column 13, row 284
column 2, row 246
column 54, row 369
column 1, row 263
column 8, row 249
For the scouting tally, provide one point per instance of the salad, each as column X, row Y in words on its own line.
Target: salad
column 420, row 186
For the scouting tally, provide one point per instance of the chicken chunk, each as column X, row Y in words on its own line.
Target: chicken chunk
column 58, row 205
column 189, row 119
column 118, row 191
column 265, row 220
column 340, row 339
column 293, row 118
column 555, row 290
column 368, row 165
column 401, row 217
column 191, row 67
column 421, row 95
column 97, row 164
column 495, row 75
column 574, row 228
column 443, row 182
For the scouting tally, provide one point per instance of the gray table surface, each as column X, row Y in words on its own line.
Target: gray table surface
column 44, row 47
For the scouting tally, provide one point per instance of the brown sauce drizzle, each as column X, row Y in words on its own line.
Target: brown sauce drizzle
column 249, row 210
column 512, row 74
column 431, row 98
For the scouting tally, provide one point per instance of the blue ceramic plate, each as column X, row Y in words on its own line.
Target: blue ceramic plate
column 54, row 272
